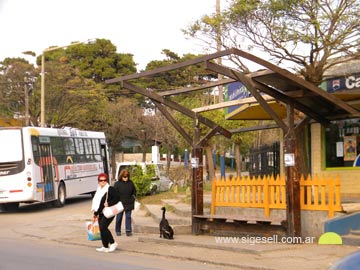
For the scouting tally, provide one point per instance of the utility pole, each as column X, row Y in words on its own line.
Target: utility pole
column 26, row 101
column 219, row 45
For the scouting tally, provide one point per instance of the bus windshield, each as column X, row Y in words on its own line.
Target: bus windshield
column 10, row 145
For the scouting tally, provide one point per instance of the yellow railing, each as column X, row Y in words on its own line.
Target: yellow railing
column 270, row 193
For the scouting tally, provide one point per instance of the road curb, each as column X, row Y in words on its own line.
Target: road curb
column 198, row 245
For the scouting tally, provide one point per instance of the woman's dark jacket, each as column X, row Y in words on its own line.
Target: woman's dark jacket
column 126, row 191
column 113, row 198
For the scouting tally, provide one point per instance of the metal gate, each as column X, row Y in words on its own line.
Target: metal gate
column 265, row 160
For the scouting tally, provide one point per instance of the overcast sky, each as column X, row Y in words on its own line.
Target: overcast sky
column 140, row 27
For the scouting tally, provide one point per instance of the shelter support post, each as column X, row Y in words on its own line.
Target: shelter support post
column 291, row 159
column 197, row 190
column 197, row 200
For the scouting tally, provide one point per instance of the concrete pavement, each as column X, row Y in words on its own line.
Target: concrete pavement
column 242, row 253
column 202, row 248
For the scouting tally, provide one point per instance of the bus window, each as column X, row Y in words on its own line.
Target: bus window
column 88, row 150
column 35, row 148
column 79, row 148
column 58, row 149
column 69, row 150
column 97, row 150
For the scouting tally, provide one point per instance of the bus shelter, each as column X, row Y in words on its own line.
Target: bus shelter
column 276, row 94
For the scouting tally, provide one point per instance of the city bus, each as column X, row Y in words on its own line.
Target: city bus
column 49, row 165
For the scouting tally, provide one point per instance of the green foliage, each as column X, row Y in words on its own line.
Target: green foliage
column 300, row 34
column 15, row 75
column 100, row 61
column 141, row 181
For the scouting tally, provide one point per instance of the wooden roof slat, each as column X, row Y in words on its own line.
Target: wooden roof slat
column 170, row 67
column 172, row 121
column 226, row 104
column 196, row 88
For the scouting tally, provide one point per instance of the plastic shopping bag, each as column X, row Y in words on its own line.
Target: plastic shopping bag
column 137, row 206
column 93, row 230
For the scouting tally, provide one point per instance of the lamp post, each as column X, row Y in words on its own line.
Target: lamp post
column 26, row 102
column 42, row 93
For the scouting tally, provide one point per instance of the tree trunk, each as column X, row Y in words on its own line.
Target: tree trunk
column 113, row 163
column 168, row 160
column 144, row 156
column 222, row 164
column 210, row 163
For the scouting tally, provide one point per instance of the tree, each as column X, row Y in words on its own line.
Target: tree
column 99, row 61
column 168, row 137
column 310, row 36
column 16, row 76
column 123, row 119
column 71, row 99
column 75, row 91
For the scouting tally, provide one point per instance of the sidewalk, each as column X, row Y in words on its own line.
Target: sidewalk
column 69, row 228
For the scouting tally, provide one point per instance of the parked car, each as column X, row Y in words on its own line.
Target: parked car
column 164, row 183
column 159, row 182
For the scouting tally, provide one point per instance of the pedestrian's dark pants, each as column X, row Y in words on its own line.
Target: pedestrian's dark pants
column 119, row 218
column 106, row 236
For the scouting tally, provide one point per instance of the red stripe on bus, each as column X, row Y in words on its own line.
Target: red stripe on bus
column 18, row 190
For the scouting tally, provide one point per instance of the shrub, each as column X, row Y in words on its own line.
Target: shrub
column 141, row 181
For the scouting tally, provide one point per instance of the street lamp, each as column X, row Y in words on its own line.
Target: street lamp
column 42, row 93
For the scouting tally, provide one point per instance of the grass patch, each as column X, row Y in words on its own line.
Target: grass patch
column 156, row 199
column 170, row 208
column 183, row 194
column 186, row 200
column 207, row 186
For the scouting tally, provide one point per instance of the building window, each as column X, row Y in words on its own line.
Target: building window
column 342, row 143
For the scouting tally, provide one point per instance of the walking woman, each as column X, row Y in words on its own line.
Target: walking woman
column 105, row 195
column 126, row 191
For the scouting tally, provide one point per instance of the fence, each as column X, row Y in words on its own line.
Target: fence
column 265, row 160
column 270, row 193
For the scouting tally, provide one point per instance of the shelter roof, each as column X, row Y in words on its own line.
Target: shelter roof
column 283, row 86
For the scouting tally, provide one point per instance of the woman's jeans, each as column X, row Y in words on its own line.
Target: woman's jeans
column 119, row 218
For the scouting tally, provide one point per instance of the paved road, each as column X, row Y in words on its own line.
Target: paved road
column 40, row 237
column 65, row 227
column 40, row 255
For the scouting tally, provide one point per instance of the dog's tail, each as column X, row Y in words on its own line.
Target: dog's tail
column 164, row 210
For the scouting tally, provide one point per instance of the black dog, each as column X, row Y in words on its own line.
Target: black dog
column 165, row 229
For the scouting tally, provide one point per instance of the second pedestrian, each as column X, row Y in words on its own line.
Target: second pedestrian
column 126, row 192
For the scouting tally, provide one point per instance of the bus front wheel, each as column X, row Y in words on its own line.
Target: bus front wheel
column 60, row 202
